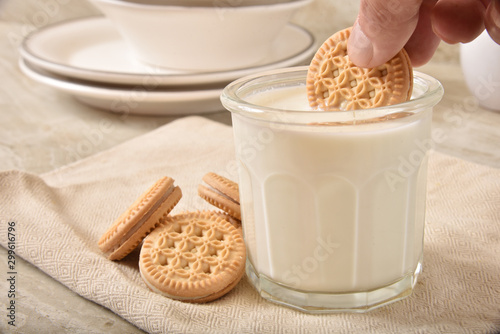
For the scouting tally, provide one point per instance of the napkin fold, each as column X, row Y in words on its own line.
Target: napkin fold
column 60, row 215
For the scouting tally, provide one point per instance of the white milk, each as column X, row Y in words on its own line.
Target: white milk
column 332, row 209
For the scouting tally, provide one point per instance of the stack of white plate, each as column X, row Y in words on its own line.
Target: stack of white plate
column 88, row 59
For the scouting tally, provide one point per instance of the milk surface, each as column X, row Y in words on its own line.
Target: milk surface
column 332, row 209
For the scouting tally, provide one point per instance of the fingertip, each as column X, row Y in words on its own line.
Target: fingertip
column 364, row 53
column 359, row 47
column 420, row 57
column 423, row 43
column 458, row 21
column 381, row 30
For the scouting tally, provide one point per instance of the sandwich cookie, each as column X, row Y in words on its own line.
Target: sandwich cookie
column 221, row 193
column 128, row 231
column 335, row 83
column 193, row 257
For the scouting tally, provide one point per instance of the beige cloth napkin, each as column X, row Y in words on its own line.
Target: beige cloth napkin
column 61, row 215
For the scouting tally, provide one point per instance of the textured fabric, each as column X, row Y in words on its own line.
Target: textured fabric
column 60, row 216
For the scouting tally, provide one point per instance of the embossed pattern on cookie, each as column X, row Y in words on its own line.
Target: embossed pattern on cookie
column 194, row 257
column 335, row 83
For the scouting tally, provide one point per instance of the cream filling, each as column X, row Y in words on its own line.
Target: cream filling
column 218, row 192
column 144, row 218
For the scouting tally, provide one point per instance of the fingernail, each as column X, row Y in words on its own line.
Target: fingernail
column 359, row 46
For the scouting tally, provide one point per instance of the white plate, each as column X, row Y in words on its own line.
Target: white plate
column 138, row 100
column 91, row 49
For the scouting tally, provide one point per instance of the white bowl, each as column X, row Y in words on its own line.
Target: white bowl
column 480, row 61
column 207, row 3
column 199, row 38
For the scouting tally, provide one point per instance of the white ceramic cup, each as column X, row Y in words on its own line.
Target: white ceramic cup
column 480, row 60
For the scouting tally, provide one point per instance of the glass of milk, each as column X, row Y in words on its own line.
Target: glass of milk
column 333, row 203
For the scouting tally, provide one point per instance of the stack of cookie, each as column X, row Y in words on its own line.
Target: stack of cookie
column 193, row 256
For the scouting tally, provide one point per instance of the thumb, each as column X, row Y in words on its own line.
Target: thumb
column 381, row 30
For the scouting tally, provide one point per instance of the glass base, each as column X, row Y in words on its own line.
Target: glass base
column 318, row 302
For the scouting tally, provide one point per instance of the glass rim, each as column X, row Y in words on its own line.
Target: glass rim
column 431, row 92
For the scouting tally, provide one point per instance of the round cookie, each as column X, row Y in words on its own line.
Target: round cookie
column 222, row 193
column 335, row 83
column 193, row 257
column 128, row 231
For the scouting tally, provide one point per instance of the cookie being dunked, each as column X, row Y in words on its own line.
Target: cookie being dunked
column 335, row 83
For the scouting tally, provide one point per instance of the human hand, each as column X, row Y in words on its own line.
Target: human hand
column 384, row 27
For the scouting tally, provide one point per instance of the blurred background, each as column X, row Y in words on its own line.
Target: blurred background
column 322, row 18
